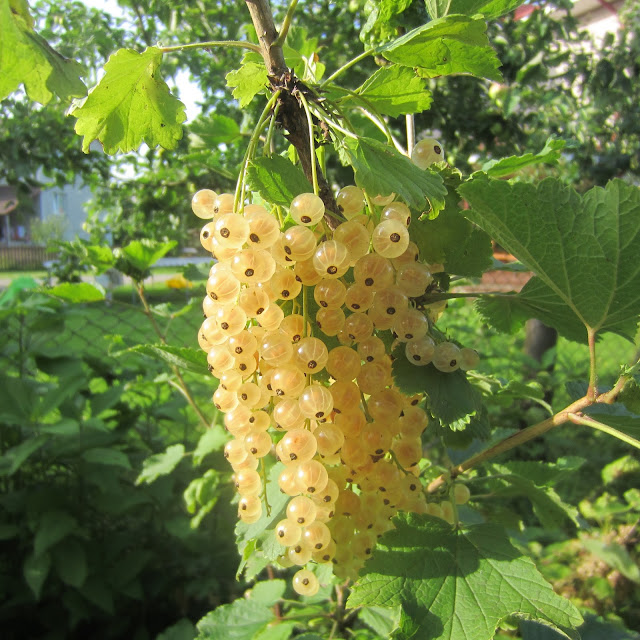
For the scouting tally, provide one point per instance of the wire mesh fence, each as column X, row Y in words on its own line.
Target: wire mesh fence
column 100, row 330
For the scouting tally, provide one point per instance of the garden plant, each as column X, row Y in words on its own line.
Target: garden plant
column 384, row 453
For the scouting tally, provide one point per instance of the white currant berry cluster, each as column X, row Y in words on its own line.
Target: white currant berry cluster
column 348, row 440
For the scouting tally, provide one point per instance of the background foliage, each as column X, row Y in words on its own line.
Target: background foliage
column 114, row 496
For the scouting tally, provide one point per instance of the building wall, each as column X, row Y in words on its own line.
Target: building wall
column 69, row 201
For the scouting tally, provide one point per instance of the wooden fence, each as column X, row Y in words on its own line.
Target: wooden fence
column 18, row 257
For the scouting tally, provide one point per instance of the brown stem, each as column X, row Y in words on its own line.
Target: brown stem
column 291, row 116
column 509, row 443
column 181, row 385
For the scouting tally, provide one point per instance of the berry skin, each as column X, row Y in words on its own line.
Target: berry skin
column 426, row 152
column 305, row 583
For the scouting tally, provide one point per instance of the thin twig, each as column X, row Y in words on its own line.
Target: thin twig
column 213, row 43
column 592, row 391
column 595, row 424
column 286, row 23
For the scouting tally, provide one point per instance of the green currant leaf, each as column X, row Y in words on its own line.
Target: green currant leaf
column 450, row 239
column 594, row 628
column 70, row 561
column 506, row 166
column 454, row 584
column 450, row 45
column 614, row 555
column 136, row 258
column 583, row 251
column 247, row 81
column 488, row 8
column 26, row 58
column 132, row 104
column 213, row 439
column 451, row 396
column 52, row 527
column 381, row 170
column 212, row 130
column 240, row 620
column 106, row 456
column 194, row 360
column 277, row 180
column 395, row 91
column 160, row 464
column 36, row 569
column 547, row 505
column 77, row 291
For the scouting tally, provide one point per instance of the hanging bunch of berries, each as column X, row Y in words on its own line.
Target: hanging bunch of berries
column 300, row 322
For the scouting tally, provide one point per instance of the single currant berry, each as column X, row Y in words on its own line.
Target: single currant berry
column 390, row 238
column 468, row 359
column 355, row 237
column 299, row 554
column 223, row 203
column 420, row 351
column 202, row 203
column 264, row 229
column 248, row 482
column 330, row 321
column 206, row 236
column 223, row 287
column 426, row 152
column 413, row 279
column 316, row 536
column 343, row 363
column 410, row 324
column 374, row 271
column 316, row 402
column 331, row 259
column 288, row 381
column 302, row 510
column 350, row 201
column 288, row 533
column 305, row 583
column 461, row 493
column 287, row 415
column 397, row 211
column 298, row 445
column 307, row 209
column 253, row 301
column 446, row 357
column 299, row 243
column 252, row 266
column 284, row 285
column 330, row 294
column 231, row 230
column 311, row 355
column 312, row 477
column 276, row 348
column 359, row 297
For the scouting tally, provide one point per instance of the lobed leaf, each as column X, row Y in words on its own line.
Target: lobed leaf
column 451, row 397
column 27, row 59
column 160, row 464
column 395, row 91
column 277, row 180
column 240, row 620
column 247, row 81
column 381, row 170
column 449, row 45
column 194, row 360
column 583, row 250
column 77, row 292
column 130, row 105
column 507, row 166
column 456, row 585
